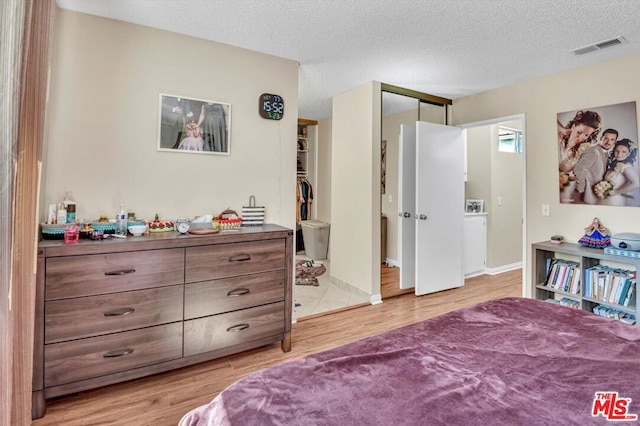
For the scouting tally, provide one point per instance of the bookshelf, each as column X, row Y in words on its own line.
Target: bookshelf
column 606, row 296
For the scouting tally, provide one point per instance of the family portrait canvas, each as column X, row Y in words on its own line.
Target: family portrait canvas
column 194, row 125
column 598, row 156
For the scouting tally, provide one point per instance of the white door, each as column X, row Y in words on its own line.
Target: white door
column 439, row 207
column 407, row 206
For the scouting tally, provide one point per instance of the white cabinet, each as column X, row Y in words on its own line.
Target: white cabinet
column 474, row 243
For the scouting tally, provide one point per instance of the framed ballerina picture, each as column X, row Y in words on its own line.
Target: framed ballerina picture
column 194, row 125
column 598, row 156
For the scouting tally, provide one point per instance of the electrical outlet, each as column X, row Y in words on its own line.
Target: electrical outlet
column 545, row 210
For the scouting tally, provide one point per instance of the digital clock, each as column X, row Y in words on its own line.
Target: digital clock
column 271, row 106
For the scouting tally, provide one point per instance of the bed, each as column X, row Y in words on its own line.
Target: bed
column 510, row 361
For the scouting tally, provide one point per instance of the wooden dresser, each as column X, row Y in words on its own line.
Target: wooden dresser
column 114, row 310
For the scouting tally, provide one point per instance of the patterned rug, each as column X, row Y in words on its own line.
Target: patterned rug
column 307, row 272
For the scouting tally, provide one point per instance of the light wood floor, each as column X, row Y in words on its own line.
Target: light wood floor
column 164, row 398
column 389, row 282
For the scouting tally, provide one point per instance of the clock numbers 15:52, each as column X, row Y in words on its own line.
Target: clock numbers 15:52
column 272, row 106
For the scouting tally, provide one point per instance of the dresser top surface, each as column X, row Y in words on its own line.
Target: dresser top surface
column 160, row 240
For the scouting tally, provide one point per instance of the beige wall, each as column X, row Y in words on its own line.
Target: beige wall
column 491, row 175
column 106, row 78
column 355, row 188
column 540, row 100
column 323, row 187
column 504, row 224
column 479, row 165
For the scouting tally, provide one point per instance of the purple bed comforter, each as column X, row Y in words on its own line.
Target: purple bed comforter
column 511, row 361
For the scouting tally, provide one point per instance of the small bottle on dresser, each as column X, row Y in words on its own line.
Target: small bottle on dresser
column 61, row 215
column 121, row 222
column 70, row 207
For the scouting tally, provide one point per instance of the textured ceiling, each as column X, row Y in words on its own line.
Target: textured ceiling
column 448, row 48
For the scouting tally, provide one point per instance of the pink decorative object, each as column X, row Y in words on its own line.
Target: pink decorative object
column 71, row 234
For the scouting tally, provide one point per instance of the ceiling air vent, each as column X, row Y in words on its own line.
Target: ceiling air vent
column 598, row 46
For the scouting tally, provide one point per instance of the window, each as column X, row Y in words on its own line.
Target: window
column 510, row 140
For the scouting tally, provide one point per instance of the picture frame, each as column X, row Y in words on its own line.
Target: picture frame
column 192, row 125
column 474, row 206
column 598, row 155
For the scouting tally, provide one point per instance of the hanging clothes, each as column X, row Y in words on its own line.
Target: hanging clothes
column 304, row 198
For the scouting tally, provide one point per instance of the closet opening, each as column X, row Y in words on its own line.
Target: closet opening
column 400, row 106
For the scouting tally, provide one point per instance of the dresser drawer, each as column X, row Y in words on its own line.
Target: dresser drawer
column 228, row 260
column 88, row 275
column 231, row 294
column 97, row 356
column 82, row 317
column 233, row 328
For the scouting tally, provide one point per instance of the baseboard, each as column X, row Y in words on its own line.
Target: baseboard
column 392, row 262
column 376, row 299
column 503, row 268
column 345, row 285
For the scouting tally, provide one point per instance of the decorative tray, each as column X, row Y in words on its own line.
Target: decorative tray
column 106, row 227
column 52, row 231
column 203, row 231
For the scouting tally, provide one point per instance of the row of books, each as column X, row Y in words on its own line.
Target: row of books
column 565, row 301
column 563, row 275
column 612, row 285
column 609, row 312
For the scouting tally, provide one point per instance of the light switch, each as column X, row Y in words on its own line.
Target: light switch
column 499, row 201
column 545, row 210
column 390, row 198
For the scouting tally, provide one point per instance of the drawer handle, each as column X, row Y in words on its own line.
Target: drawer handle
column 119, row 312
column 117, row 353
column 240, row 258
column 236, row 328
column 121, row 272
column 238, row 292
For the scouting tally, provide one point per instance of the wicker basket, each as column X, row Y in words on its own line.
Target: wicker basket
column 229, row 220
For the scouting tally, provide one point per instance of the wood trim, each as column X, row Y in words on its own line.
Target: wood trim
column 307, row 122
column 424, row 97
column 31, row 119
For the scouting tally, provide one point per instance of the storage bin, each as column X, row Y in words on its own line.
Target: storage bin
column 316, row 239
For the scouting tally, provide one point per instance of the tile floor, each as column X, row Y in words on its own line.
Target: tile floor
column 327, row 296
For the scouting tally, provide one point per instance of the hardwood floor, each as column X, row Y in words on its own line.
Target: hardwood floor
column 164, row 398
column 389, row 279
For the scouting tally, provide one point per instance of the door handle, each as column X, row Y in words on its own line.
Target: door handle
column 407, row 214
column 423, row 217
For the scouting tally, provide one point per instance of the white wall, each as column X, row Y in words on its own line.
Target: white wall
column 106, row 77
column 355, row 188
column 540, row 100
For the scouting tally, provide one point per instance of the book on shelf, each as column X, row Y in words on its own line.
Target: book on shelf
column 563, row 275
column 613, row 313
column 631, row 294
column 608, row 284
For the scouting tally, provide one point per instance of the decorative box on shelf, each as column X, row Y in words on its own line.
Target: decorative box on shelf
column 622, row 252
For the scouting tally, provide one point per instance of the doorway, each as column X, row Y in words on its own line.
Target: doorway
column 495, row 175
column 399, row 107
